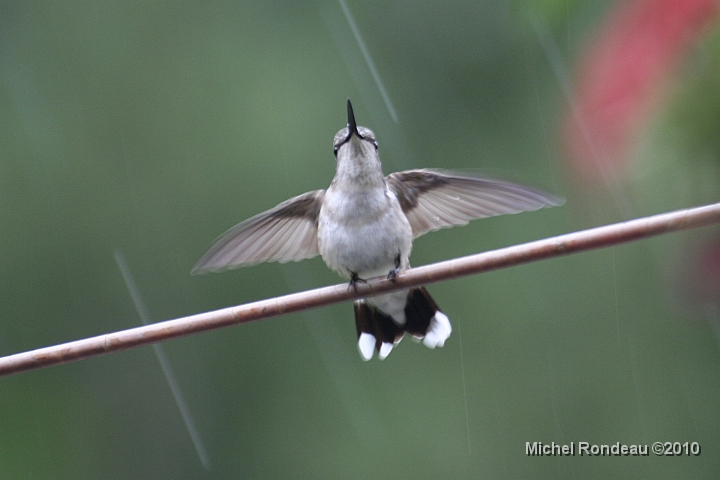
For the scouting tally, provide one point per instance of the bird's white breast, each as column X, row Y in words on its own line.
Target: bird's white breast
column 363, row 232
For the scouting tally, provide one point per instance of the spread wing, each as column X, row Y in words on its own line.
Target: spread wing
column 285, row 233
column 434, row 199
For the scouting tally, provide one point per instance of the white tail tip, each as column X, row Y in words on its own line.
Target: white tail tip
column 366, row 346
column 438, row 331
column 385, row 350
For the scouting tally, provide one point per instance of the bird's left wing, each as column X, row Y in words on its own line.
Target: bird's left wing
column 433, row 199
column 285, row 233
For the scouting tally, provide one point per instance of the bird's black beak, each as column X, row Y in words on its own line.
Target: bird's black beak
column 352, row 126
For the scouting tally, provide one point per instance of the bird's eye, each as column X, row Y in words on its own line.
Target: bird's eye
column 375, row 143
column 335, row 149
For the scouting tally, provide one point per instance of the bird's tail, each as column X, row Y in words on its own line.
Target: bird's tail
column 378, row 331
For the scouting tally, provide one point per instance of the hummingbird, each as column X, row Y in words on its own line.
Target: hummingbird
column 363, row 226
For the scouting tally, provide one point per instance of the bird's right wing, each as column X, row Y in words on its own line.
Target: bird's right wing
column 433, row 199
column 285, row 233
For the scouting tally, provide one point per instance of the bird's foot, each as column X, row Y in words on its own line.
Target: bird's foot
column 393, row 274
column 354, row 279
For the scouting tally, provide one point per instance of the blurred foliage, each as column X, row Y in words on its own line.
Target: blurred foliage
column 152, row 127
column 555, row 12
column 677, row 161
column 693, row 110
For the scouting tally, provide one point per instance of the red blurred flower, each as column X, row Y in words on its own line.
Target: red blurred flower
column 620, row 80
column 707, row 274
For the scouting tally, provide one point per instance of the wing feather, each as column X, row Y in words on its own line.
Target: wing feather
column 283, row 234
column 433, row 199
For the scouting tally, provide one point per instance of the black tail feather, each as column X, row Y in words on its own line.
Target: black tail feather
column 373, row 321
column 420, row 309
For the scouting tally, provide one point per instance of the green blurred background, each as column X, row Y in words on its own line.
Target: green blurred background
column 151, row 127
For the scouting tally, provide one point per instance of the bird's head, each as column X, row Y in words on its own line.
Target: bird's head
column 356, row 151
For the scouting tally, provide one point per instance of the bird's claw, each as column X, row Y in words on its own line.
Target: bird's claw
column 393, row 274
column 354, row 279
